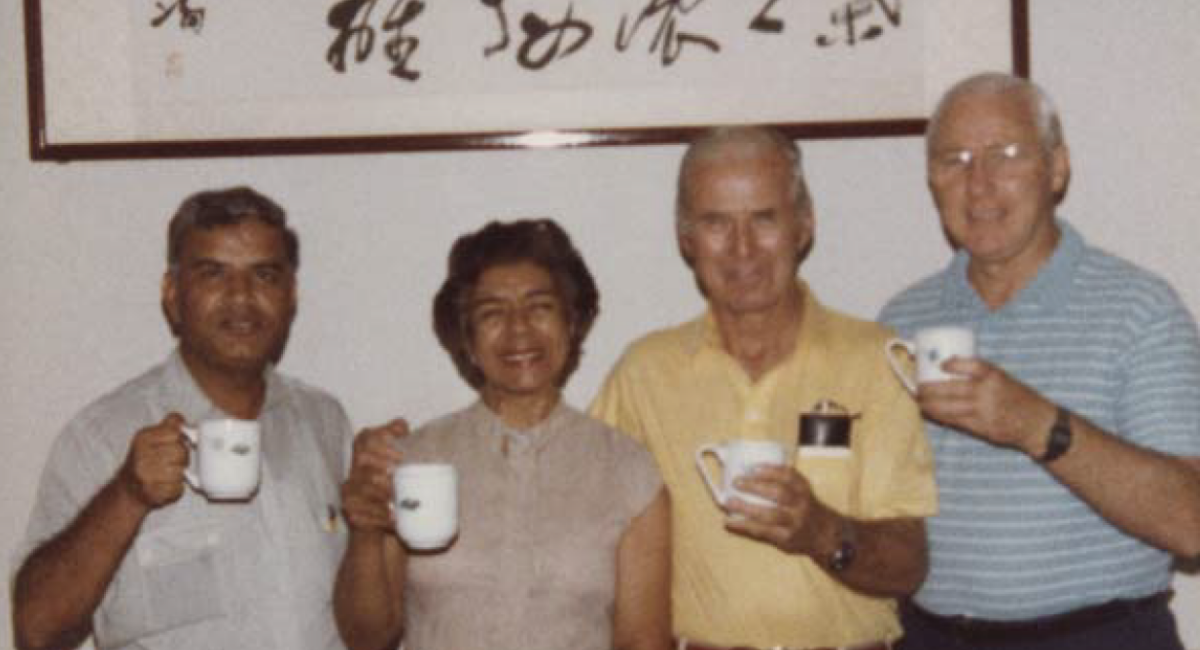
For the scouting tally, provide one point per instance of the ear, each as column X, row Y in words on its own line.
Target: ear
column 294, row 294
column 808, row 226
column 169, row 301
column 685, row 246
column 1060, row 170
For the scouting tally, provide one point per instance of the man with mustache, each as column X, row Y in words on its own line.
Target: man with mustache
column 118, row 547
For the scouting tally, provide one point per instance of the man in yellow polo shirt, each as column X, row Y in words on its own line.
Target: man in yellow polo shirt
column 821, row 568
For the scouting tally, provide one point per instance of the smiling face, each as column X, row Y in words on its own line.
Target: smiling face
column 1000, row 205
column 743, row 231
column 231, row 298
column 519, row 332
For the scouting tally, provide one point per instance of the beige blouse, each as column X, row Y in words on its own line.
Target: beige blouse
column 540, row 515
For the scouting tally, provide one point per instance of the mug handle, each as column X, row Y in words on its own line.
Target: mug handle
column 718, row 451
column 901, row 374
column 192, row 436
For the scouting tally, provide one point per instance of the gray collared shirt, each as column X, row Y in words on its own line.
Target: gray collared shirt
column 212, row 575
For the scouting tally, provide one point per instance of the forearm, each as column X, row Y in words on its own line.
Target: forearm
column 1149, row 495
column 61, row 583
column 642, row 617
column 368, row 591
column 890, row 557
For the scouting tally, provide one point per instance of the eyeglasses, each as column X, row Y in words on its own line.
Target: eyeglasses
column 1000, row 159
column 765, row 227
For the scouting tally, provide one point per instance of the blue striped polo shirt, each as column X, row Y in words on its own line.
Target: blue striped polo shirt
column 1102, row 337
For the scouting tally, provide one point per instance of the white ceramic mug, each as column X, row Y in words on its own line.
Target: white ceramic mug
column 226, row 459
column 426, row 503
column 738, row 458
column 931, row 347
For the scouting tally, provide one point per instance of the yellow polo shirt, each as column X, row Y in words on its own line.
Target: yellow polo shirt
column 677, row 389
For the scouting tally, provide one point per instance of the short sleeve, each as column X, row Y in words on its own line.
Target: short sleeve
column 636, row 474
column 615, row 405
column 1159, row 405
column 898, row 471
column 76, row 469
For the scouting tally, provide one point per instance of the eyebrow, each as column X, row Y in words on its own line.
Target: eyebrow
column 272, row 263
column 486, row 298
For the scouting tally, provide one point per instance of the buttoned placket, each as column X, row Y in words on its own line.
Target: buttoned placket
column 755, row 400
column 520, row 455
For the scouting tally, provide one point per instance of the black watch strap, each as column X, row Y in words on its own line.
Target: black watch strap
column 1060, row 437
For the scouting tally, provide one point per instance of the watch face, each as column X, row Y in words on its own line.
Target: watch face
column 843, row 556
column 1060, row 436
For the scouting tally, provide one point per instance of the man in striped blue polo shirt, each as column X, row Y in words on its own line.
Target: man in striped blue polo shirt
column 1068, row 453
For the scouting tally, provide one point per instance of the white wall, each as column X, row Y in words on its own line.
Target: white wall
column 81, row 245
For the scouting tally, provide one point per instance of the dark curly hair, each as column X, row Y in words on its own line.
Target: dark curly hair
column 541, row 242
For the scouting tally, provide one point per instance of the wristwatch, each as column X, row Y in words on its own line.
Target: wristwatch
column 847, row 548
column 1060, row 437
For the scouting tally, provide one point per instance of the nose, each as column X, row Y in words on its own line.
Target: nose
column 979, row 175
column 742, row 239
column 239, row 286
column 517, row 320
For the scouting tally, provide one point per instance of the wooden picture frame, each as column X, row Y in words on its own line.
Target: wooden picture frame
column 191, row 78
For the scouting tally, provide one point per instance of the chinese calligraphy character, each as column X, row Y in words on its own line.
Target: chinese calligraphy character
column 189, row 18
column 498, row 6
column 353, row 20
column 341, row 17
column 851, row 15
column 400, row 47
column 536, row 29
column 765, row 23
column 667, row 40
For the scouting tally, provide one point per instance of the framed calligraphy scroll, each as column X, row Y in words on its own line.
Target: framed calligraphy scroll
column 175, row 78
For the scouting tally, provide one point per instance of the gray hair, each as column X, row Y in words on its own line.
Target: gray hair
column 1049, row 126
column 228, row 207
column 740, row 142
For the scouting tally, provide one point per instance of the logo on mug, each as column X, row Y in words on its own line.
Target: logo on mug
column 931, row 347
column 226, row 462
column 426, row 501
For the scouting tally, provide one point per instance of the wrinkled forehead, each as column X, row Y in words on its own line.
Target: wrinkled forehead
column 249, row 239
column 739, row 167
column 985, row 118
column 509, row 279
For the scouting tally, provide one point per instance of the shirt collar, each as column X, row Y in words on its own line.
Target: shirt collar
column 535, row 435
column 195, row 406
column 1050, row 288
column 704, row 335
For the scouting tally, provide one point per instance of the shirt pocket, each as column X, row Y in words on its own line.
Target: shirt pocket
column 178, row 581
column 833, row 477
column 318, row 539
